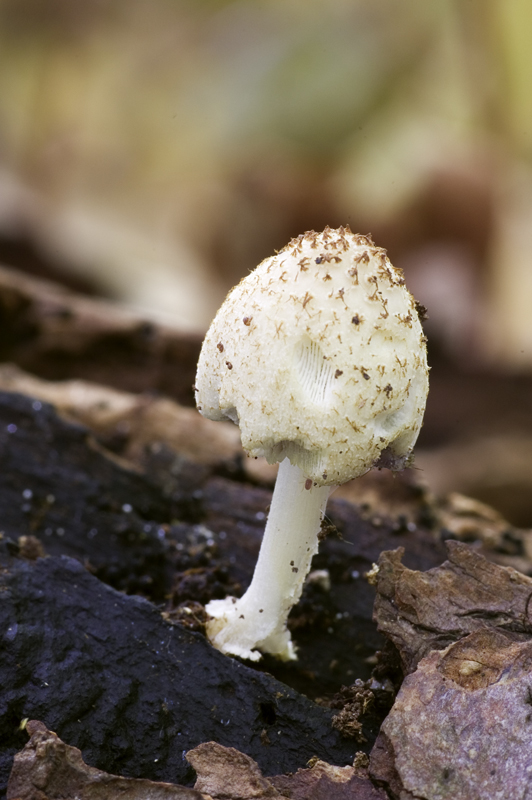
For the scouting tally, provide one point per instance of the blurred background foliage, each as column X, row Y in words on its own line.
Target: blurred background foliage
column 155, row 151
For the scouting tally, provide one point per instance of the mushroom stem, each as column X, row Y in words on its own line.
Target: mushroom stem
column 258, row 618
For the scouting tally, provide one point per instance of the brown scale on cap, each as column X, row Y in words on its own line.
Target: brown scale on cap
column 363, row 315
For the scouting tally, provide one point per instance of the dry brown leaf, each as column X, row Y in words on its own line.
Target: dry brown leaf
column 49, row 769
column 326, row 782
column 226, row 774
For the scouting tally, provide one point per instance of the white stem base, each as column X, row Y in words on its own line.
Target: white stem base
column 257, row 621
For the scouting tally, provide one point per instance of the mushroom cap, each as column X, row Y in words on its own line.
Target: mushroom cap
column 319, row 356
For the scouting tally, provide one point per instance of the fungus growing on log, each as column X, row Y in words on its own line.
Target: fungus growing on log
column 319, row 356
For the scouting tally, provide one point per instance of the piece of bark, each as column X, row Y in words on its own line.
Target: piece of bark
column 494, row 466
column 383, row 771
column 325, row 782
column 424, row 611
column 57, row 334
column 132, row 691
column 226, row 774
column 480, row 525
column 49, row 769
column 128, row 422
column 461, row 726
column 145, row 429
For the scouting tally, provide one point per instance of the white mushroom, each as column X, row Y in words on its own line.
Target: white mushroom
column 319, row 356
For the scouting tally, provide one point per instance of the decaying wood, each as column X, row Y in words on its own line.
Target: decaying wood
column 461, row 724
column 174, row 541
column 57, row 334
column 129, row 422
column 491, row 534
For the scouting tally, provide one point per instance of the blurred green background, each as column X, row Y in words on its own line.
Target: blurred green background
column 154, row 151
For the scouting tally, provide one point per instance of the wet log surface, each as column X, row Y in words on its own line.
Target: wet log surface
column 194, row 537
column 134, row 692
column 102, row 669
column 57, row 334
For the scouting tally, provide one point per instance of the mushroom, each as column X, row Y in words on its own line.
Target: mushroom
column 319, row 356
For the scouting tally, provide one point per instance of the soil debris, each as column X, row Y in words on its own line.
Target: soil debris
column 353, row 701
